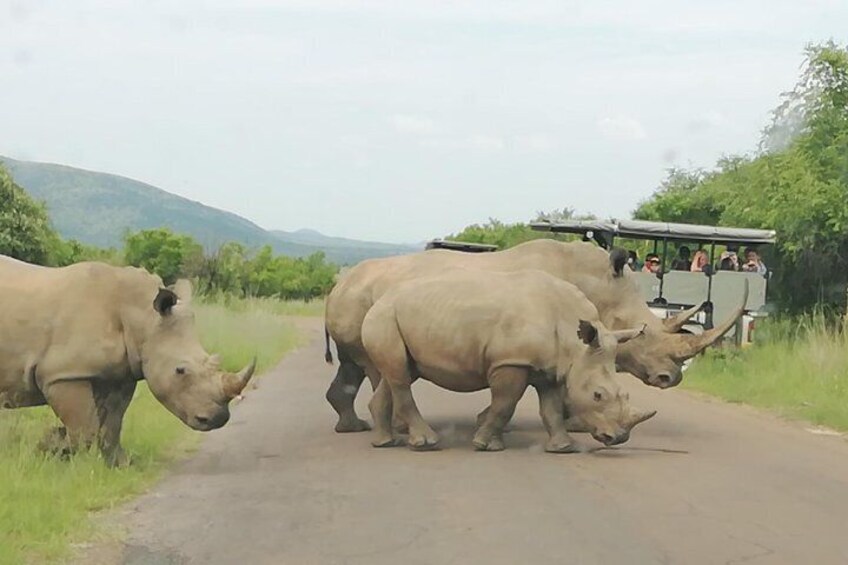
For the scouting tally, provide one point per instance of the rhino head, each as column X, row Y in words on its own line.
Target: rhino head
column 180, row 374
column 657, row 357
column 594, row 398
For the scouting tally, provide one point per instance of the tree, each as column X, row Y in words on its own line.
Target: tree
column 25, row 231
column 165, row 253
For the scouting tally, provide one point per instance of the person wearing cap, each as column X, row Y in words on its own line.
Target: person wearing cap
column 652, row 263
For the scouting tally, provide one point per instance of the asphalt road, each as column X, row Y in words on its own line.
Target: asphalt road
column 703, row 482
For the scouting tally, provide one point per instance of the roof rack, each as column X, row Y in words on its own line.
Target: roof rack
column 465, row 246
column 640, row 229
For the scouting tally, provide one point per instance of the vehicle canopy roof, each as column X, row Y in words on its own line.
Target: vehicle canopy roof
column 461, row 246
column 640, row 229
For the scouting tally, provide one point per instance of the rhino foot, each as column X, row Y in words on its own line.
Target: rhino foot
column 55, row 442
column 561, row 446
column 426, row 442
column 352, row 425
column 387, row 441
column 118, row 458
column 400, row 428
column 495, row 443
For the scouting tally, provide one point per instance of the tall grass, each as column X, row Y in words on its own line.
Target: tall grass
column 798, row 367
column 45, row 502
column 309, row 308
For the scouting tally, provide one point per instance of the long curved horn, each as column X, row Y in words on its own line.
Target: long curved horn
column 637, row 417
column 675, row 323
column 694, row 344
column 234, row 383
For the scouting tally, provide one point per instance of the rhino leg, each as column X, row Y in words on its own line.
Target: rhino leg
column 553, row 417
column 421, row 436
column 481, row 417
column 112, row 401
column 381, row 411
column 73, row 403
column 507, row 385
column 342, row 393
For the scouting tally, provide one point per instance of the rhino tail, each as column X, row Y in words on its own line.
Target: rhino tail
column 328, row 355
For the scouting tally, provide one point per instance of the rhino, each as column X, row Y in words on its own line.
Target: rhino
column 78, row 339
column 656, row 358
column 468, row 330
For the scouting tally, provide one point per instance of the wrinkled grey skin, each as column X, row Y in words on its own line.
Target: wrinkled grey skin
column 79, row 338
column 656, row 358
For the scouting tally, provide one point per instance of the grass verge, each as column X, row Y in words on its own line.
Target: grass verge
column 45, row 503
column 798, row 368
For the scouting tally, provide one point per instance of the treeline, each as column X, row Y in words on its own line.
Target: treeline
column 504, row 235
column 26, row 234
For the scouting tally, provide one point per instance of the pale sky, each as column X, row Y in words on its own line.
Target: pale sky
column 400, row 120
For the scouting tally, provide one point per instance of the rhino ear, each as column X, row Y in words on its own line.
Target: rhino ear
column 183, row 289
column 588, row 333
column 618, row 259
column 623, row 336
column 164, row 301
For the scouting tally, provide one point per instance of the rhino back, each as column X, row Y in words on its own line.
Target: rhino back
column 64, row 322
column 469, row 321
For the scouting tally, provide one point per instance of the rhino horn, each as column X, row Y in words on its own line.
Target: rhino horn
column 694, row 344
column 234, row 383
column 637, row 417
column 675, row 323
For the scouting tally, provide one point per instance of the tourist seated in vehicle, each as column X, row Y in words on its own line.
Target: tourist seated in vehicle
column 699, row 261
column 682, row 262
column 729, row 260
column 753, row 262
column 633, row 261
column 652, row 263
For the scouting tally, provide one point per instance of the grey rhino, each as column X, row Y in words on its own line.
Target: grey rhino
column 78, row 338
column 470, row 330
column 656, row 358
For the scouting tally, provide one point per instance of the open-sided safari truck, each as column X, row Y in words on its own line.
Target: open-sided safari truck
column 670, row 291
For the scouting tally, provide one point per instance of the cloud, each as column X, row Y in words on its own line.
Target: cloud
column 486, row 142
column 621, row 128
column 534, row 143
column 478, row 142
column 414, row 125
column 708, row 120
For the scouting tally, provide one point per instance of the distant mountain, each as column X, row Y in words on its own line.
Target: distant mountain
column 97, row 208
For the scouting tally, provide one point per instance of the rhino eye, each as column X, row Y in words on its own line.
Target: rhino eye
column 598, row 396
column 181, row 370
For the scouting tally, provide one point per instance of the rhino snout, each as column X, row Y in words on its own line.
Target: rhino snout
column 210, row 421
column 609, row 440
column 664, row 380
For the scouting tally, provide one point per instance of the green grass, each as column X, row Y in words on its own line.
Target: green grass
column 798, row 368
column 46, row 503
column 311, row 308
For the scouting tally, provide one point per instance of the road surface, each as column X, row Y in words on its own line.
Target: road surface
column 703, row 482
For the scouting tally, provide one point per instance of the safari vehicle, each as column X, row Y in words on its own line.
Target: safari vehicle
column 461, row 246
column 668, row 291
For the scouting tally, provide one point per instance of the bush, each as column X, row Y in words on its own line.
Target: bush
column 25, row 231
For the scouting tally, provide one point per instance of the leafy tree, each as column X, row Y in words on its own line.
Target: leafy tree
column 25, row 231
column 163, row 252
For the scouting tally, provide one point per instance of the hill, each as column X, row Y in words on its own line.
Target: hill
column 97, row 208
